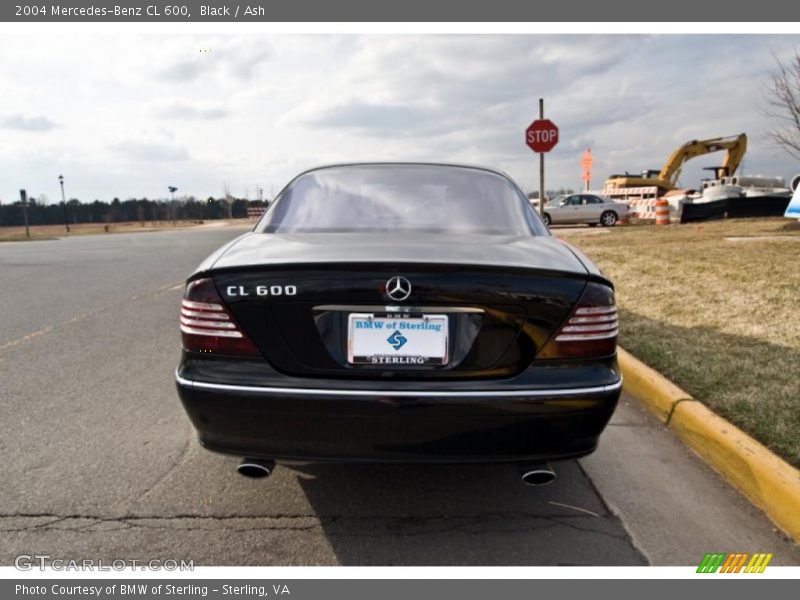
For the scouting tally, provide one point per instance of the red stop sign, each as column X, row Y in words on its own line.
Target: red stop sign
column 541, row 135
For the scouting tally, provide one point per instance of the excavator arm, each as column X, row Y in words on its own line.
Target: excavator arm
column 667, row 178
column 736, row 146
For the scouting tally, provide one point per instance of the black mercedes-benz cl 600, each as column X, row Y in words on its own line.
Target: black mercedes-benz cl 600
column 399, row 313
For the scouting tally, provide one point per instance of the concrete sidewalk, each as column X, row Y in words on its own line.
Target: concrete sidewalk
column 675, row 507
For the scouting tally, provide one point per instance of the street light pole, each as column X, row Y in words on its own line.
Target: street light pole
column 64, row 204
column 172, row 189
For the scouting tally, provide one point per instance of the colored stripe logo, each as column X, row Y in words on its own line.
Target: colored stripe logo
column 743, row 562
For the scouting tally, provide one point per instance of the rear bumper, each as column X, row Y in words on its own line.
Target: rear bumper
column 381, row 425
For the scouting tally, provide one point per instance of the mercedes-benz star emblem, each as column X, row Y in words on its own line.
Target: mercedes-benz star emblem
column 398, row 288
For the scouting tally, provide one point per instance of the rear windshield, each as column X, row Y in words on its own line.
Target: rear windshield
column 405, row 198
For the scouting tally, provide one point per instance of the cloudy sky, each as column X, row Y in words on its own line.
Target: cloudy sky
column 128, row 115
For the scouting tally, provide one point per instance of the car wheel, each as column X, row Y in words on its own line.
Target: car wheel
column 608, row 218
column 546, row 219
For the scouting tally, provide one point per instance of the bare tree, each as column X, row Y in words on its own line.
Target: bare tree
column 228, row 199
column 782, row 98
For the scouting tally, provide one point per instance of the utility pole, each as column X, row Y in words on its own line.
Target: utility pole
column 23, row 195
column 64, row 204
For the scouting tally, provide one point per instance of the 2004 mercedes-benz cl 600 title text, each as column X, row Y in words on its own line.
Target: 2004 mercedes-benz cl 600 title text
column 399, row 313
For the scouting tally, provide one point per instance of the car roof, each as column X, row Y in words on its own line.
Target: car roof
column 407, row 164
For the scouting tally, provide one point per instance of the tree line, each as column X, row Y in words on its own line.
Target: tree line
column 133, row 209
column 42, row 212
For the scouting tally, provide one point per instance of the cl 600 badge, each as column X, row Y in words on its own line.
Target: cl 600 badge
column 262, row 290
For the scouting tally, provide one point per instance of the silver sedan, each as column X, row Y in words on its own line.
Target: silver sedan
column 585, row 208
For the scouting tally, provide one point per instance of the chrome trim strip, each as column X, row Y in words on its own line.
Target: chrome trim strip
column 218, row 316
column 211, row 332
column 393, row 308
column 400, row 393
column 596, row 310
column 202, row 305
column 597, row 319
column 589, row 328
column 208, row 324
column 586, row 337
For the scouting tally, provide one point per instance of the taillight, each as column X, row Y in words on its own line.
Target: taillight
column 207, row 326
column 591, row 329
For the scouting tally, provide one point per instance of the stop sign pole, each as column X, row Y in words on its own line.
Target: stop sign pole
column 541, row 136
column 541, row 166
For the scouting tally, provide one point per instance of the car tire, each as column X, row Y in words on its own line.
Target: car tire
column 546, row 219
column 608, row 218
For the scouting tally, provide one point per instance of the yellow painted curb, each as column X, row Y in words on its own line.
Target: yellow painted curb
column 767, row 481
column 657, row 392
column 770, row 483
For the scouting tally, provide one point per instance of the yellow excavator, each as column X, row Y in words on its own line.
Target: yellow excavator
column 666, row 179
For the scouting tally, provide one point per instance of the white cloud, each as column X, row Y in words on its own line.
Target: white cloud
column 129, row 115
column 181, row 71
column 151, row 150
column 235, row 58
column 24, row 123
column 187, row 110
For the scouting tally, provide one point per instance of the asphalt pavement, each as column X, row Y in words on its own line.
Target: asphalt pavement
column 100, row 461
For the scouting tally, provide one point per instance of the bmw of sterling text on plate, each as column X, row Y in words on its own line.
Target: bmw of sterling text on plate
column 399, row 313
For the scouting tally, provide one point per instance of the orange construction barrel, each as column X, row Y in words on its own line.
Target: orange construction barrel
column 662, row 212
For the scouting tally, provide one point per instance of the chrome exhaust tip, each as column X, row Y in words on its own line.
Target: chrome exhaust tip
column 255, row 468
column 537, row 474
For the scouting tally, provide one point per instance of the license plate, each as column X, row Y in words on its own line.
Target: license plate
column 397, row 341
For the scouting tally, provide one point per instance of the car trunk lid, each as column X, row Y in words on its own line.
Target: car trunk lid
column 502, row 298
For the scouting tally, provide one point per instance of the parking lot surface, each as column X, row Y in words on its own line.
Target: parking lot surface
column 100, row 461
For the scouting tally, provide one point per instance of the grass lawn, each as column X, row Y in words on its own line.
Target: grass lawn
column 47, row 232
column 718, row 316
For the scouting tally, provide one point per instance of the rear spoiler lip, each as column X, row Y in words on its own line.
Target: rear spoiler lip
column 593, row 275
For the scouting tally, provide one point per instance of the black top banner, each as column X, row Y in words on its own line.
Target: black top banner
column 779, row 11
